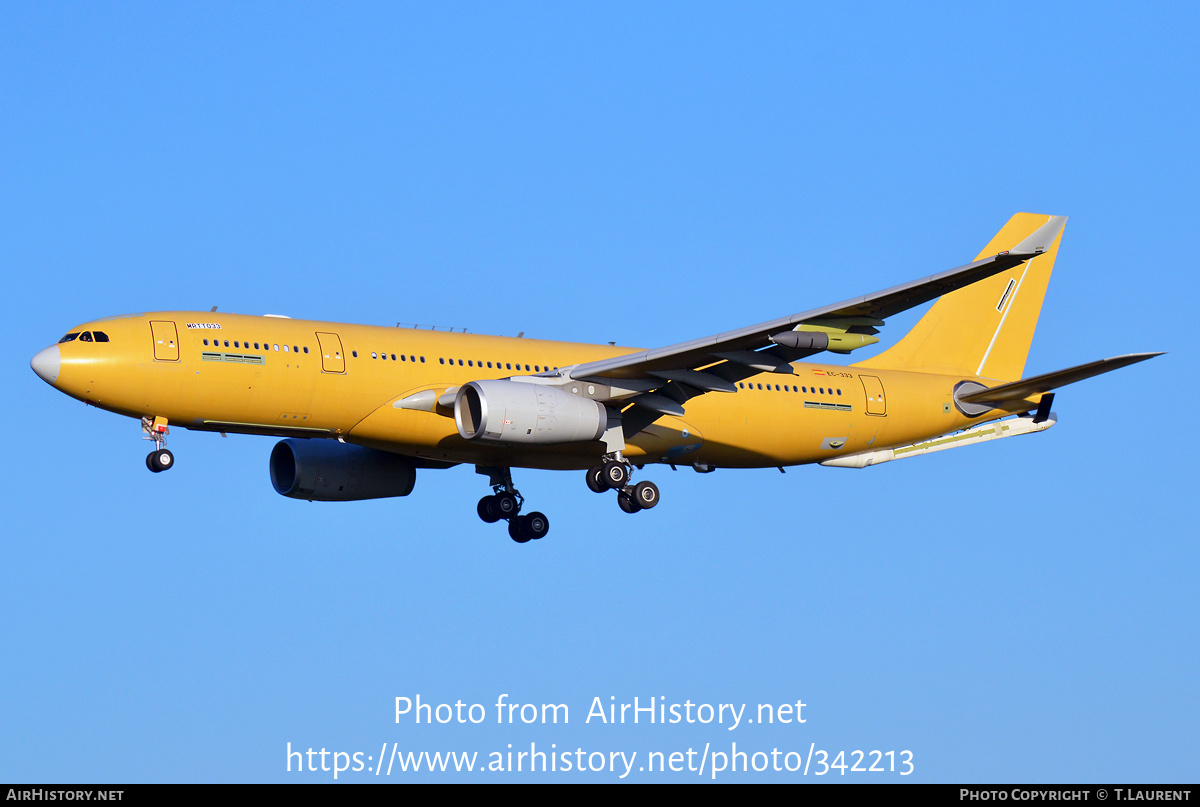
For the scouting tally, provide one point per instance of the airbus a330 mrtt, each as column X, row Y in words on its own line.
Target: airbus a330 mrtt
column 361, row 408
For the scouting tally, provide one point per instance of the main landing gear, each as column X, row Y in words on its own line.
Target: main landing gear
column 614, row 474
column 505, row 503
column 160, row 459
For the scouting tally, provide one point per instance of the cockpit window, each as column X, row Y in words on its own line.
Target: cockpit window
column 101, row 336
column 71, row 337
column 87, row 336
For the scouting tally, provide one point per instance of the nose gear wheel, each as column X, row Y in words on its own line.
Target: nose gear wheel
column 159, row 460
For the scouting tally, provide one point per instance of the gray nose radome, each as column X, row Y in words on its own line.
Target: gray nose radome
column 47, row 364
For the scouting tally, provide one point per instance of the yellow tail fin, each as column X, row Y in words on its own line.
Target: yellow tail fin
column 984, row 329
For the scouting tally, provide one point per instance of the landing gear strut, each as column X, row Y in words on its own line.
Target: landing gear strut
column 505, row 503
column 614, row 474
column 160, row 459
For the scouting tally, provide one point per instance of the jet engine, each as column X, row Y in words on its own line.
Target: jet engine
column 328, row 471
column 521, row 413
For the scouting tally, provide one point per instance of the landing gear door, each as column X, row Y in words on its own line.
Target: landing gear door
column 166, row 340
column 874, row 389
column 332, row 358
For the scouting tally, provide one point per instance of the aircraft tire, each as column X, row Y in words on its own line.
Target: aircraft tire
column 616, row 474
column 535, row 525
column 595, row 479
column 487, row 510
column 516, row 533
column 627, row 503
column 506, row 505
column 160, row 460
column 645, row 494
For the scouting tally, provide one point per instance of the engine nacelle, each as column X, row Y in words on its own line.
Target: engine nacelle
column 520, row 413
column 328, row 471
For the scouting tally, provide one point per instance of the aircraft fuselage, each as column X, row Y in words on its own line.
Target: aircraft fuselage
column 298, row 378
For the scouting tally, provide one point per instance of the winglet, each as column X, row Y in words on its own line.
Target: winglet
column 1042, row 238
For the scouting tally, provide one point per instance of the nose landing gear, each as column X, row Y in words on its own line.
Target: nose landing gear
column 160, row 459
column 505, row 503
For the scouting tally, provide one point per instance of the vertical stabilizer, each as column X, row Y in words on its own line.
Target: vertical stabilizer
column 984, row 329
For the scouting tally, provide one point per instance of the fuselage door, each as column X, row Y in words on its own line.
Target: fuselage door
column 332, row 358
column 874, row 389
column 166, row 340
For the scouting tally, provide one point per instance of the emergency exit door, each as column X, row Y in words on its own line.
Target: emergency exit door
column 166, row 340
column 332, row 358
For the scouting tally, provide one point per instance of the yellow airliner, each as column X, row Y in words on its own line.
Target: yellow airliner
column 363, row 407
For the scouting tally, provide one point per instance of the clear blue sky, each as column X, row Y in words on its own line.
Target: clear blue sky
column 1022, row 611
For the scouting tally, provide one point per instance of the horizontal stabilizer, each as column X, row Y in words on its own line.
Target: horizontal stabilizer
column 1028, row 387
